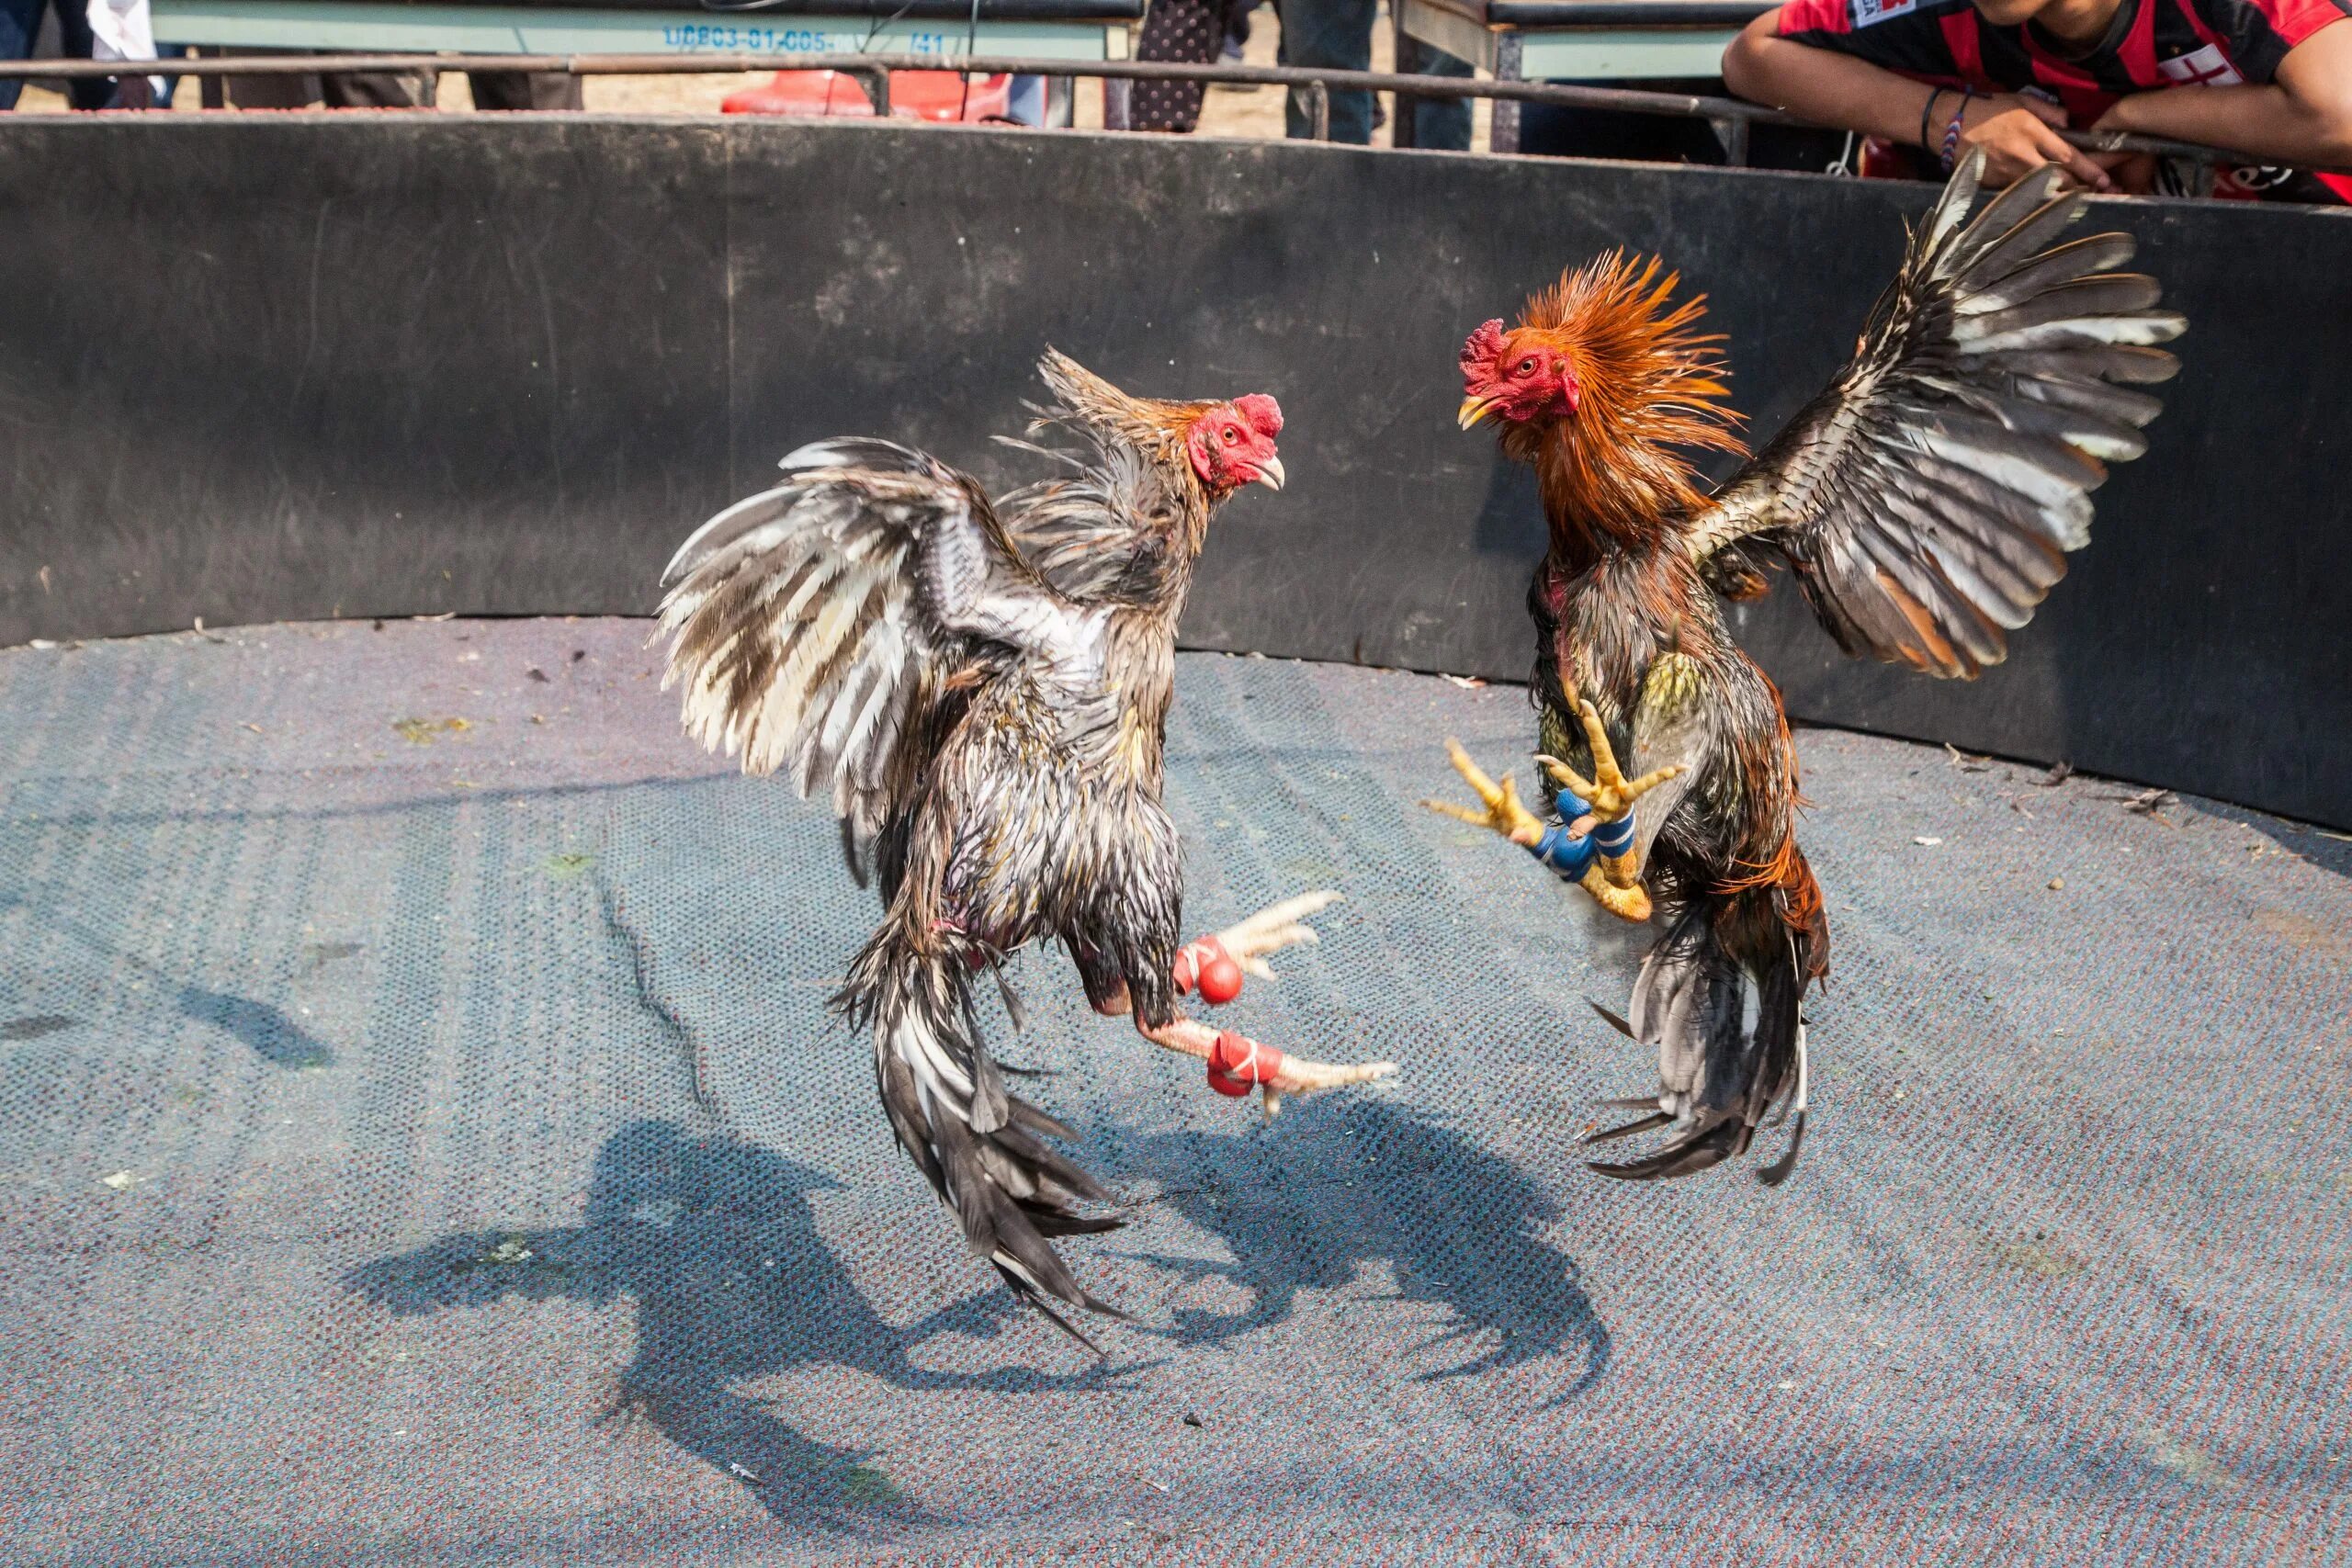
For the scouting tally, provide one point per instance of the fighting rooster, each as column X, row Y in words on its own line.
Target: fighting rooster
column 982, row 690
column 1925, row 502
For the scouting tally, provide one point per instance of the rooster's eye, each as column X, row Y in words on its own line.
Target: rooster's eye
column 1232, row 436
column 1526, row 368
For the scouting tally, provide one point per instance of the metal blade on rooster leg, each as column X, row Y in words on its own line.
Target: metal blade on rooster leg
column 981, row 686
column 1924, row 504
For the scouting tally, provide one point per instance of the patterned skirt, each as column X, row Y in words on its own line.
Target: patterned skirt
column 1188, row 30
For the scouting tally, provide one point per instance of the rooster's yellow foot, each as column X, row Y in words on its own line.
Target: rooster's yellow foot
column 1609, row 794
column 1504, row 814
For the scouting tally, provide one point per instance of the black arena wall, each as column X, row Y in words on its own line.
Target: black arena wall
column 261, row 368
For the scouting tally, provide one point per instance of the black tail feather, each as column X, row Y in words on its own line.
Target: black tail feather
column 1044, row 1309
column 978, row 1145
column 1717, row 1078
column 1640, row 1125
column 1778, row 1171
column 1702, row 1145
column 1614, row 1020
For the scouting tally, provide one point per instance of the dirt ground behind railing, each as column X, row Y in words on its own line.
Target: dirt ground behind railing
column 1254, row 112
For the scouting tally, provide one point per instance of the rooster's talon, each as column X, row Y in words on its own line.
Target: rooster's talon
column 1609, row 792
column 1630, row 903
column 1297, row 1077
column 1274, row 927
column 1503, row 812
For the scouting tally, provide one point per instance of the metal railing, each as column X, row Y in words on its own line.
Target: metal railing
column 1731, row 118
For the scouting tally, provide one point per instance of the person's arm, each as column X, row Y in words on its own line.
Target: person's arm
column 2018, row 134
column 2302, row 117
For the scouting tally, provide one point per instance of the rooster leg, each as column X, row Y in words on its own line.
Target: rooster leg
column 1212, row 967
column 1630, row 901
column 1610, row 795
column 1237, row 1063
column 1274, row 927
column 1499, row 808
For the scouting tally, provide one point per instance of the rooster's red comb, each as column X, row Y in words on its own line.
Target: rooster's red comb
column 1264, row 414
column 1486, row 346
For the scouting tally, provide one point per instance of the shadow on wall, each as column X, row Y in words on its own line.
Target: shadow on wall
column 1458, row 1226
column 716, row 1241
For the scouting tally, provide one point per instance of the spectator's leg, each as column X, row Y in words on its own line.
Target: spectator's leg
column 19, row 25
column 1187, row 30
column 376, row 90
column 1406, row 51
column 1236, row 30
column 1335, row 35
column 75, row 42
column 1441, row 122
column 171, row 83
column 269, row 92
column 512, row 91
column 1502, row 126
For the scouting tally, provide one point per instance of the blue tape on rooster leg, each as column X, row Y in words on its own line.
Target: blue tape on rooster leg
column 1616, row 838
column 1568, row 855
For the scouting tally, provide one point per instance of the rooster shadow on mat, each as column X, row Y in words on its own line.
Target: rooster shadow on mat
column 1459, row 1227
column 716, row 1240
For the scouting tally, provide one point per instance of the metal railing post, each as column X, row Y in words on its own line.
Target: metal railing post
column 1733, row 134
column 1319, row 110
column 875, row 80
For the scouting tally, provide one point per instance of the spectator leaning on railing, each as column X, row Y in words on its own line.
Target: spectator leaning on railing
column 2268, row 77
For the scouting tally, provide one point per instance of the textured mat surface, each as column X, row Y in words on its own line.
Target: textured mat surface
column 422, row 1140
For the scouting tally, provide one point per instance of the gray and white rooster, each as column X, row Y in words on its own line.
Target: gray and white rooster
column 982, row 690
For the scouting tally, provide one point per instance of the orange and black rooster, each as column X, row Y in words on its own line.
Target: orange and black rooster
column 982, row 689
column 1925, row 502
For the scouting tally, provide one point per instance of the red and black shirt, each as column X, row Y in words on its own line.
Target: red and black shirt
column 2152, row 44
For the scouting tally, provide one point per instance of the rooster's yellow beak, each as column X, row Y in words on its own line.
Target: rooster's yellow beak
column 1474, row 410
column 1270, row 473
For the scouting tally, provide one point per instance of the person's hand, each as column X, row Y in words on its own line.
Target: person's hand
column 2134, row 172
column 2019, row 135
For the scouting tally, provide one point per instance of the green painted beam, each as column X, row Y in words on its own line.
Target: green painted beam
column 1592, row 53
column 357, row 25
column 1577, row 54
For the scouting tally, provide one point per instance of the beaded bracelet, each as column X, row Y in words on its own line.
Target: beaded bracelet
column 1950, row 152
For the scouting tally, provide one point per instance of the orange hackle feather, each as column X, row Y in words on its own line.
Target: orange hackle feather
column 1651, row 388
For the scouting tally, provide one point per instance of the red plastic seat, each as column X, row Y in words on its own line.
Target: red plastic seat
column 914, row 95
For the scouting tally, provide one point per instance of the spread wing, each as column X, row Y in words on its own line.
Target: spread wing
column 815, row 625
column 1102, row 530
column 1927, row 499
column 1099, row 534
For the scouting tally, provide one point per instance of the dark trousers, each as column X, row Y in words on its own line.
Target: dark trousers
column 370, row 90
column 543, row 90
column 20, row 29
column 1337, row 35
